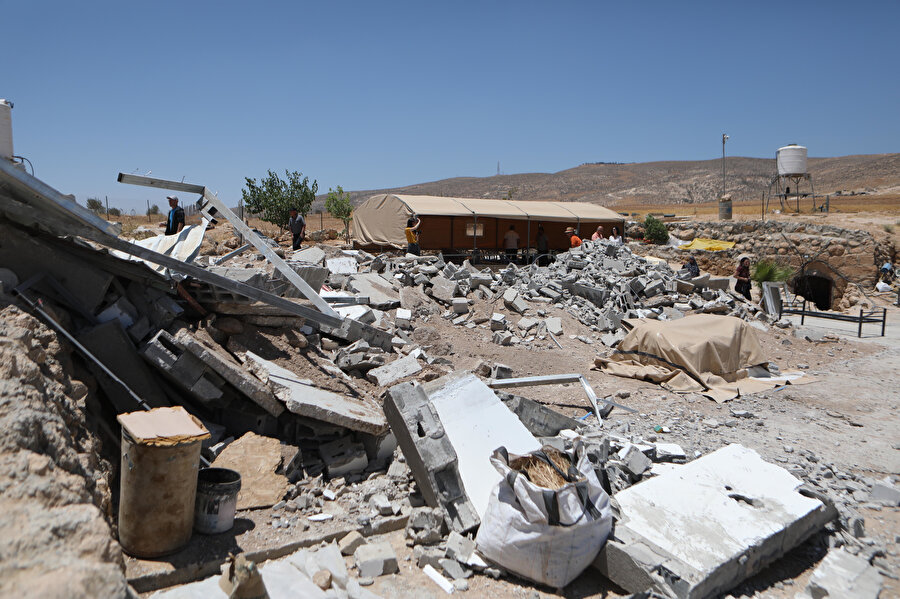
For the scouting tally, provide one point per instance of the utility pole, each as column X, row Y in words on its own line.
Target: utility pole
column 107, row 207
column 724, row 137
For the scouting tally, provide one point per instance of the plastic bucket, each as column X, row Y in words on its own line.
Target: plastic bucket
column 217, row 492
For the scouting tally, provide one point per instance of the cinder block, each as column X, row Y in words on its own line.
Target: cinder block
column 376, row 559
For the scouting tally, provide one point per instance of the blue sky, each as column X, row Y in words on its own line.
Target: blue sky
column 370, row 95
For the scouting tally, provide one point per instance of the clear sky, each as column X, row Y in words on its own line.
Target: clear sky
column 370, row 94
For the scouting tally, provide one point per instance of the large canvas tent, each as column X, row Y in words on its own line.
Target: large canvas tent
column 466, row 224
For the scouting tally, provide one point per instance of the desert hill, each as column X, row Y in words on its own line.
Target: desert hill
column 671, row 182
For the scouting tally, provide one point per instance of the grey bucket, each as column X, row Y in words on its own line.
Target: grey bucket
column 217, row 491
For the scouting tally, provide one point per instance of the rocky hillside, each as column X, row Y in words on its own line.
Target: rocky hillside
column 673, row 182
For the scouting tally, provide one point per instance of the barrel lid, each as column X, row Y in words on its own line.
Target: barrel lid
column 163, row 426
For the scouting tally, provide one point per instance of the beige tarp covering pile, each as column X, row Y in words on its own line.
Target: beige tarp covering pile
column 701, row 353
column 380, row 220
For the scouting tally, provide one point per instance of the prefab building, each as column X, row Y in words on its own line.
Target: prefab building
column 468, row 224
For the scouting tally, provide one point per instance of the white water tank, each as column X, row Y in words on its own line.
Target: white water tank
column 791, row 160
column 6, row 146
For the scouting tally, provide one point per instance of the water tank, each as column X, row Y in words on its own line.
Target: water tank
column 6, row 146
column 791, row 160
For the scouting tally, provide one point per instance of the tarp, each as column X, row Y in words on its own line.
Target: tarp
column 380, row 220
column 701, row 353
column 713, row 245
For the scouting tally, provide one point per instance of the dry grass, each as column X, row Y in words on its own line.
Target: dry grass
column 540, row 472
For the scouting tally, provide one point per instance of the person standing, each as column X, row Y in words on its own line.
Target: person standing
column 297, row 225
column 543, row 246
column 615, row 237
column 574, row 240
column 742, row 274
column 412, row 235
column 175, row 221
column 511, row 243
column 598, row 234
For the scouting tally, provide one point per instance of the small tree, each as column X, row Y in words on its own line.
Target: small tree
column 338, row 205
column 655, row 231
column 115, row 212
column 273, row 197
column 153, row 210
column 94, row 205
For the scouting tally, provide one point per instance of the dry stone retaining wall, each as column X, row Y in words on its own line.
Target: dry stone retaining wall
column 54, row 488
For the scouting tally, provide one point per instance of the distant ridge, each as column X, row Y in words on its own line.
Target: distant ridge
column 670, row 182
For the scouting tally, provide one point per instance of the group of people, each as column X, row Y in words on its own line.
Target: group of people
column 741, row 274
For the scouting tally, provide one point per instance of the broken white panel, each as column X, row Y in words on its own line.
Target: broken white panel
column 183, row 246
column 345, row 265
column 476, row 422
column 841, row 574
column 701, row 529
column 122, row 310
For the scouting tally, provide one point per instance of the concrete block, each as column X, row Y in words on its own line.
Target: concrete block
column 454, row 569
column 403, row 318
column 303, row 399
column 526, row 323
column 460, row 305
column 502, row 337
column 886, row 493
column 443, row 289
column 428, row 556
column 718, row 283
column 342, row 456
column 376, row 559
column 727, row 516
column 634, row 460
column 343, row 265
column 388, row 374
column 654, row 288
column 841, row 574
column 476, row 423
column 498, row 322
column 429, row 454
column 554, row 325
column 501, row 371
column 381, row 504
column 459, row 548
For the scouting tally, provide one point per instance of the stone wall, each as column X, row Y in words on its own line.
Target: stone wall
column 847, row 256
column 54, row 488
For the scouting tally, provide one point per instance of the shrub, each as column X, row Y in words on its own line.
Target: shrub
column 769, row 270
column 655, row 231
column 115, row 212
column 888, row 228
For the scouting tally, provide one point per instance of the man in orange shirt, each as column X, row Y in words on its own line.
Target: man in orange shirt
column 574, row 240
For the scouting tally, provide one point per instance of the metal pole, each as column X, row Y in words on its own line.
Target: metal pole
column 724, row 137
column 107, row 207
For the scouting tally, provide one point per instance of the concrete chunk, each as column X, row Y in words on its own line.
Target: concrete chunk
column 498, row 322
column 727, row 516
column 379, row 290
column 351, row 542
column 841, row 574
column 384, row 376
column 376, row 559
column 443, row 289
column 554, row 325
column 303, row 399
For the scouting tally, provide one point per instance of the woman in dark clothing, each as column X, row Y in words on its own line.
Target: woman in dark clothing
column 742, row 274
column 692, row 267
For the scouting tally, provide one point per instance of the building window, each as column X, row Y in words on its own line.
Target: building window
column 474, row 229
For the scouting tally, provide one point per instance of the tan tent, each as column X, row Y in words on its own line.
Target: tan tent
column 468, row 223
column 701, row 353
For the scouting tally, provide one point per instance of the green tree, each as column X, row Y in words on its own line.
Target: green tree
column 94, row 205
column 338, row 205
column 273, row 197
column 152, row 210
column 115, row 212
column 655, row 230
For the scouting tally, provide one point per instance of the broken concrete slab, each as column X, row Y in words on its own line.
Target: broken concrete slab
column 384, row 376
column 476, row 423
column 312, row 255
column 111, row 345
column 540, row 420
column 841, row 574
column 726, row 516
column 302, row 398
column 223, row 365
column 444, row 289
column 342, row 265
column 429, row 454
column 379, row 290
column 554, row 325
